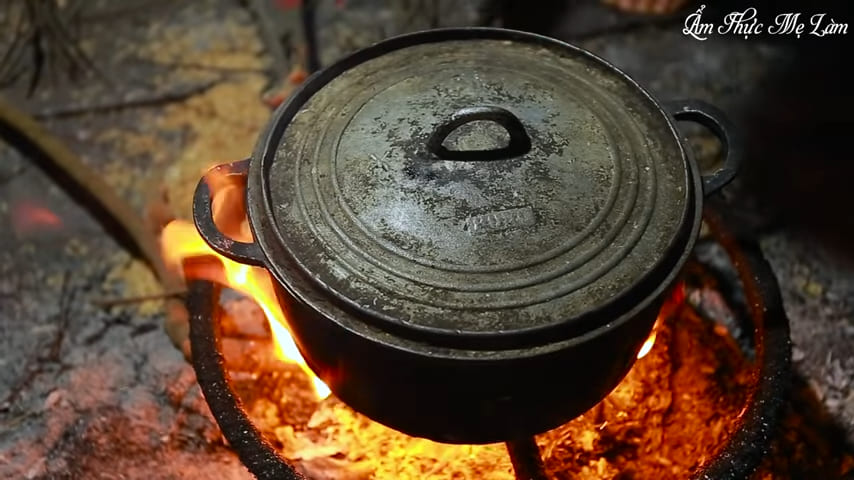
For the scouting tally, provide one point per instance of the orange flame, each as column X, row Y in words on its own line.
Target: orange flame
column 668, row 308
column 647, row 345
column 180, row 240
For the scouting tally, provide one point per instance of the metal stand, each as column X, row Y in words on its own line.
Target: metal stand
column 737, row 459
column 526, row 459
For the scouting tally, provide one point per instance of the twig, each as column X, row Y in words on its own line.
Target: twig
column 307, row 14
column 68, row 45
column 19, row 35
column 25, row 133
column 129, row 9
column 43, row 29
column 38, row 50
column 10, row 69
column 54, row 349
column 66, row 298
column 200, row 66
column 149, row 101
column 264, row 17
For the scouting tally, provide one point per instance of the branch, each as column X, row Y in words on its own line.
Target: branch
column 26, row 134
column 143, row 101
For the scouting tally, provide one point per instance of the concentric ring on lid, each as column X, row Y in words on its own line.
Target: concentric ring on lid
column 478, row 248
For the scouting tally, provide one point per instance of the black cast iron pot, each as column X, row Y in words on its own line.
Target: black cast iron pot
column 472, row 230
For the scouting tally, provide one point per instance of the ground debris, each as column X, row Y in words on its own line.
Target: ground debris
column 331, row 441
column 671, row 413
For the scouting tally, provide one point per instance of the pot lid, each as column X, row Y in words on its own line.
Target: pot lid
column 476, row 183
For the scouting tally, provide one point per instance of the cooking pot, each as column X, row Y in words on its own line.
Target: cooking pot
column 471, row 231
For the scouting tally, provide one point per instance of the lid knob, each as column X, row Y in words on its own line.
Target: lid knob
column 519, row 143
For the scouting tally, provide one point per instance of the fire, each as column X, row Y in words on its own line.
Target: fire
column 180, row 240
column 647, row 345
column 670, row 305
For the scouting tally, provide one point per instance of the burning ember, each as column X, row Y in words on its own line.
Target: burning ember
column 29, row 218
column 180, row 241
column 671, row 304
column 647, row 345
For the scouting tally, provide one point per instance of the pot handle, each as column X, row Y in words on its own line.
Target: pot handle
column 712, row 118
column 519, row 144
column 243, row 252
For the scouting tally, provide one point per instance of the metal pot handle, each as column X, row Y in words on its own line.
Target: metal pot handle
column 715, row 120
column 243, row 252
column 519, row 143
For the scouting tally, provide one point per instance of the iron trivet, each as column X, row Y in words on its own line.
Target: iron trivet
column 741, row 455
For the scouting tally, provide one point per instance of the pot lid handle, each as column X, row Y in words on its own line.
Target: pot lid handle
column 519, row 143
